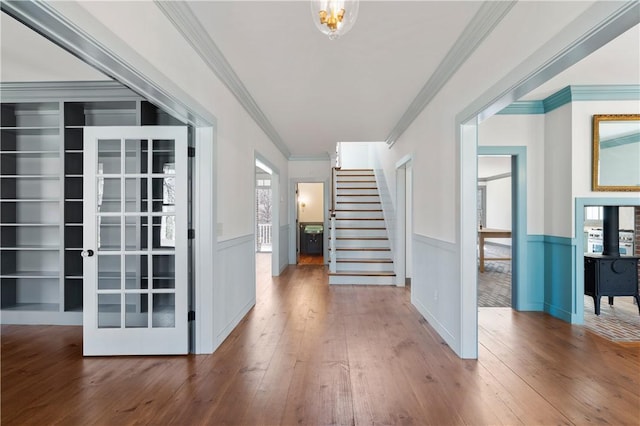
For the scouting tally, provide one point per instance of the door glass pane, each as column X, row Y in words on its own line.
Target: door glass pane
column 137, row 310
column 109, row 156
column 163, row 155
column 164, row 194
column 136, row 157
column 108, row 195
column 137, row 271
column 136, row 232
column 164, row 271
column 164, row 310
column 164, row 232
column 135, row 194
column 108, row 310
column 108, row 233
column 108, row 272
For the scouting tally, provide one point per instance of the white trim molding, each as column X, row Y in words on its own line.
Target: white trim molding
column 484, row 21
column 188, row 24
column 43, row 18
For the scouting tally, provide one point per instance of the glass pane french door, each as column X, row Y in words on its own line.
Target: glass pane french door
column 135, row 240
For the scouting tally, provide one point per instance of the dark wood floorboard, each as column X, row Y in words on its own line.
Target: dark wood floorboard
column 308, row 353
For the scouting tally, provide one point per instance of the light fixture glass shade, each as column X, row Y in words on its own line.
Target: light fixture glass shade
column 334, row 17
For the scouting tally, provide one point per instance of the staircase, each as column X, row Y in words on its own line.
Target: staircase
column 360, row 250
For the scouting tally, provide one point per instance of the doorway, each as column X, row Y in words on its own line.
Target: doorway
column 310, row 217
column 495, row 188
column 618, row 321
column 404, row 223
column 263, row 216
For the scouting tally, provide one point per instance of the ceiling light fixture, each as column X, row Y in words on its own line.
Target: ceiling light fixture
column 334, row 17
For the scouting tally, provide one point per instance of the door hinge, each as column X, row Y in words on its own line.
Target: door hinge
column 191, row 316
column 191, row 151
column 191, row 234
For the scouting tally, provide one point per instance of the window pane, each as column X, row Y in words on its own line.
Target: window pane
column 164, row 155
column 164, row 310
column 108, row 195
column 108, row 272
column 109, row 156
column 164, row 271
column 108, row 233
column 136, row 159
column 137, row 310
column 108, row 310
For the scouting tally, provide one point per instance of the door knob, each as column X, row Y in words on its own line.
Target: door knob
column 86, row 253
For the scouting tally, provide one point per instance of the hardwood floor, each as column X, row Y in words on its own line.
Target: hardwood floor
column 313, row 354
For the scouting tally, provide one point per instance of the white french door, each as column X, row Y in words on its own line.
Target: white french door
column 135, row 240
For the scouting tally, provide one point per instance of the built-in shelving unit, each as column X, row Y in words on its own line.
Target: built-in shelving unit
column 41, row 201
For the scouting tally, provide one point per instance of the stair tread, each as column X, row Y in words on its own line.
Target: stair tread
column 359, row 227
column 356, row 210
column 356, row 260
column 363, row 273
column 359, row 218
column 364, row 248
column 361, row 238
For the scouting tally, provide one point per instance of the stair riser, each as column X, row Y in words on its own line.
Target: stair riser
column 347, row 199
column 356, row 191
column 366, row 267
column 347, row 183
column 359, row 223
column 361, row 243
column 346, row 172
column 358, row 215
column 357, row 280
column 359, row 233
column 359, row 206
column 362, row 254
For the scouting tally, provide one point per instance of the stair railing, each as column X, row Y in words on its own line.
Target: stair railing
column 332, row 220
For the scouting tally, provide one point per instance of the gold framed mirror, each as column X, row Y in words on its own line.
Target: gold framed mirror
column 616, row 152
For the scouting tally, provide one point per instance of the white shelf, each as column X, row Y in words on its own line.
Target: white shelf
column 32, row 152
column 48, row 176
column 33, row 307
column 31, row 248
column 31, row 274
column 31, row 224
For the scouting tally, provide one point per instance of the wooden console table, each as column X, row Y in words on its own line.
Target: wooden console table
column 491, row 233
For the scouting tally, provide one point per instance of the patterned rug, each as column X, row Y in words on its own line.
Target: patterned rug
column 494, row 284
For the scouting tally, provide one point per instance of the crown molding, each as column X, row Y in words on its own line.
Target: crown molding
column 188, row 24
column 481, row 25
column 68, row 91
column 523, row 107
column 43, row 18
column 594, row 28
column 577, row 93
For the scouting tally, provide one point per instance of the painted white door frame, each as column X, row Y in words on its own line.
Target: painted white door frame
column 404, row 220
column 161, row 91
column 275, row 211
column 293, row 214
column 600, row 24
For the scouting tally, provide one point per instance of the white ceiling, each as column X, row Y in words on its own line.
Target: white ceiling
column 314, row 91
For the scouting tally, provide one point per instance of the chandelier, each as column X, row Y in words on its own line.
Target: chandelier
column 334, row 17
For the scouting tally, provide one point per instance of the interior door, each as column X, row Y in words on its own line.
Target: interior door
column 135, row 240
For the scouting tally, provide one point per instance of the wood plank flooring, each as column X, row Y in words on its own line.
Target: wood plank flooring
column 313, row 354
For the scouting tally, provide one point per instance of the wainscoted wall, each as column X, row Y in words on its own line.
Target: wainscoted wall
column 559, row 285
column 283, row 248
column 532, row 297
column 435, row 269
column 234, row 291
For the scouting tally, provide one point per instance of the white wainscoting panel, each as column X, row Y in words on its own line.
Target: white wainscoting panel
column 284, row 248
column 234, row 289
column 435, row 286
